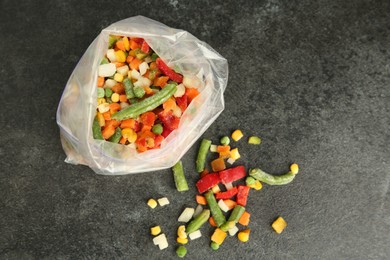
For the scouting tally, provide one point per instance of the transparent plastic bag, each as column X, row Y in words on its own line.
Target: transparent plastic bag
column 77, row 107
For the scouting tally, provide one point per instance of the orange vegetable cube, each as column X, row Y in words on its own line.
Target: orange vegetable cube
column 201, row 200
column 218, row 236
column 244, row 219
column 218, row 165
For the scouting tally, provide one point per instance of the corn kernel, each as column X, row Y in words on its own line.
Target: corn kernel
column 182, row 241
column 101, row 120
column 258, row 185
column 115, row 97
column 218, row 236
column 243, row 236
column 279, row 225
column 120, row 56
column 155, row 230
column 181, row 231
column 118, row 77
column 126, row 43
column 237, row 135
column 234, row 154
column 152, row 203
column 216, row 189
column 294, row 168
column 101, row 101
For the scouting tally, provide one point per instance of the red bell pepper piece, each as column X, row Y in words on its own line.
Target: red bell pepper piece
column 166, row 132
column 169, row 121
column 182, row 102
column 242, row 194
column 232, row 174
column 207, row 182
column 226, row 194
column 168, row 71
column 138, row 40
column 157, row 141
column 145, row 47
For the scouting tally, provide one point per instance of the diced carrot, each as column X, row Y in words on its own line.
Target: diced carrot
column 129, row 59
column 223, row 148
column 113, row 122
column 119, row 64
column 114, row 107
column 201, row 200
column 100, row 82
column 107, row 115
column 148, row 118
column 134, row 64
column 161, row 81
column 218, row 165
column 108, row 131
column 212, row 222
column 148, row 91
column 146, row 128
column 134, row 45
column 122, row 98
column 146, row 134
column 122, row 140
column 120, row 45
column 230, row 203
column 152, row 65
column 244, row 219
column 141, row 145
column 157, row 141
column 128, row 123
column 170, row 104
column 191, row 94
column 118, row 88
column 224, row 155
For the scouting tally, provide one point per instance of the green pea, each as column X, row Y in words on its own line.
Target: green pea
column 108, row 92
column 157, row 129
column 181, row 251
column 225, row 140
column 100, row 93
column 214, row 245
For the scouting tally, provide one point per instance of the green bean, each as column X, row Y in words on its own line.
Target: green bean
column 128, row 88
column 203, row 150
column 271, row 179
column 157, row 129
column 179, row 177
column 116, row 136
column 181, row 251
column 225, row 140
column 214, row 245
column 154, row 57
column 198, row 221
column 96, row 130
column 250, row 180
column 139, row 92
column 108, row 92
column 254, row 140
column 227, row 225
column 216, row 212
column 100, row 93
column 236, row 213
column 146, row 105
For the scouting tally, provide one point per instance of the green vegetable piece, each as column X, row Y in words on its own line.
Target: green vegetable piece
column 198, row 221
column 128, row 88
column 179, row 177
column 100, row 93
column 272, row 179
column 104, row 61
column 227, row 225
column 152, row 74
column 157, row 129
column 254, row 140
column 116, row 136
column 236, row 213
column 96, row 130
column 139, row 92
column 112, row 40
column 216, row 211
column 225, row 140
column 108, row 92
column 250, row 180
column 181, row 251
column 145, row 105
column 154, row 56
column 140, row 54
column 133, row 100
column 203, row 150
column 214, row 245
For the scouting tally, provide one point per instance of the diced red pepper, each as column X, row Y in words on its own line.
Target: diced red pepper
column 168, row 71
column 169, row 121
column 148, row 118
column 226, row 194
column 182, row 102
column 242, row 194
column 138, row 40
column 141, row 145
column 207, row 182
column 145, row 47
column 166, row 132
column 232, row 174
column 157, row 141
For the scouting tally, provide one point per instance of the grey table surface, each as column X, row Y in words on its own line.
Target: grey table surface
column 312, row 78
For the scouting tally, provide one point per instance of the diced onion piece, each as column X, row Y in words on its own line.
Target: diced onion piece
column 143, row 67
column 192, row 82
column 223, row 206
column 194, row 235
column 107, row 70
column 176, row 111
column 111, row 55
column 148, row 59
column 145, row 81
column 137, row 84
column 231, row 160
column 134, row 74
column 180, row 90
column 163, row 201
column 161, row 241
column 233, row 231
column 110, row 83
column 229, row 186
column 198, row 210
column 103, row 107
column 213, row 148
column 186, row 215
column 123, row 70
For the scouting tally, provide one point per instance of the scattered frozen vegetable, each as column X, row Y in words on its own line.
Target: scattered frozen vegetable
column 272, row 179
column 181, row 251
column 186, row 215
column 203, row 150
column 179, row 177
column 197, row 222
column 279, row 225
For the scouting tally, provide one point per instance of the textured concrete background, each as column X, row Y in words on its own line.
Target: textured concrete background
column 312, row 79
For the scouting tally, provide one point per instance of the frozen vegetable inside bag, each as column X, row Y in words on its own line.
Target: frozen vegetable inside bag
column 179, row 50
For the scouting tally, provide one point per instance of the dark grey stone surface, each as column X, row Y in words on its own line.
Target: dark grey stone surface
column 311, row 78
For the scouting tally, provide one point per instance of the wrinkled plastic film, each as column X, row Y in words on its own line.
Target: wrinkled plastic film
column 78, row 103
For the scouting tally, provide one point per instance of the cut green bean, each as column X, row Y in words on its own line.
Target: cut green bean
column 236, row 213
column 181, row 251
column 179, row 177
column 139, row 92
column 128, row 88
column 146, row 105
column 100, row 93
column 157, row 129
column 216, row 211
column 96, row 130
column 154, row 56
column 227, row 225
column 250, row 180
column 214, row 245
column 108, row 92
column 225, row 140
column 116, row 136
column 271, row 179
column 198, row 221
column 254, row 140
column 203, row 150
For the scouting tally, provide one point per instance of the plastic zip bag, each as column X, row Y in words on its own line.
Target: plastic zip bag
column 77, row 107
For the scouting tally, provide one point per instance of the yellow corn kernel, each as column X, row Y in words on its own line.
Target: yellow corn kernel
column 152, row 203
column 149, row 142
column 120, row 56
column 252, row 185
column 101, row 101
column 129, row 134
column 181, row 231
column 182, row 241
column 218, row 236
column 279, row 225
column 118, row 77
column 155, row 230
column 224, row 154
column 294, row 168
column 243, row 236
column 258, row 185
column 101, row 120
column 234, row 154
column 115, row 97
column 237, row 135
column 216, row 189
column 126, row 43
